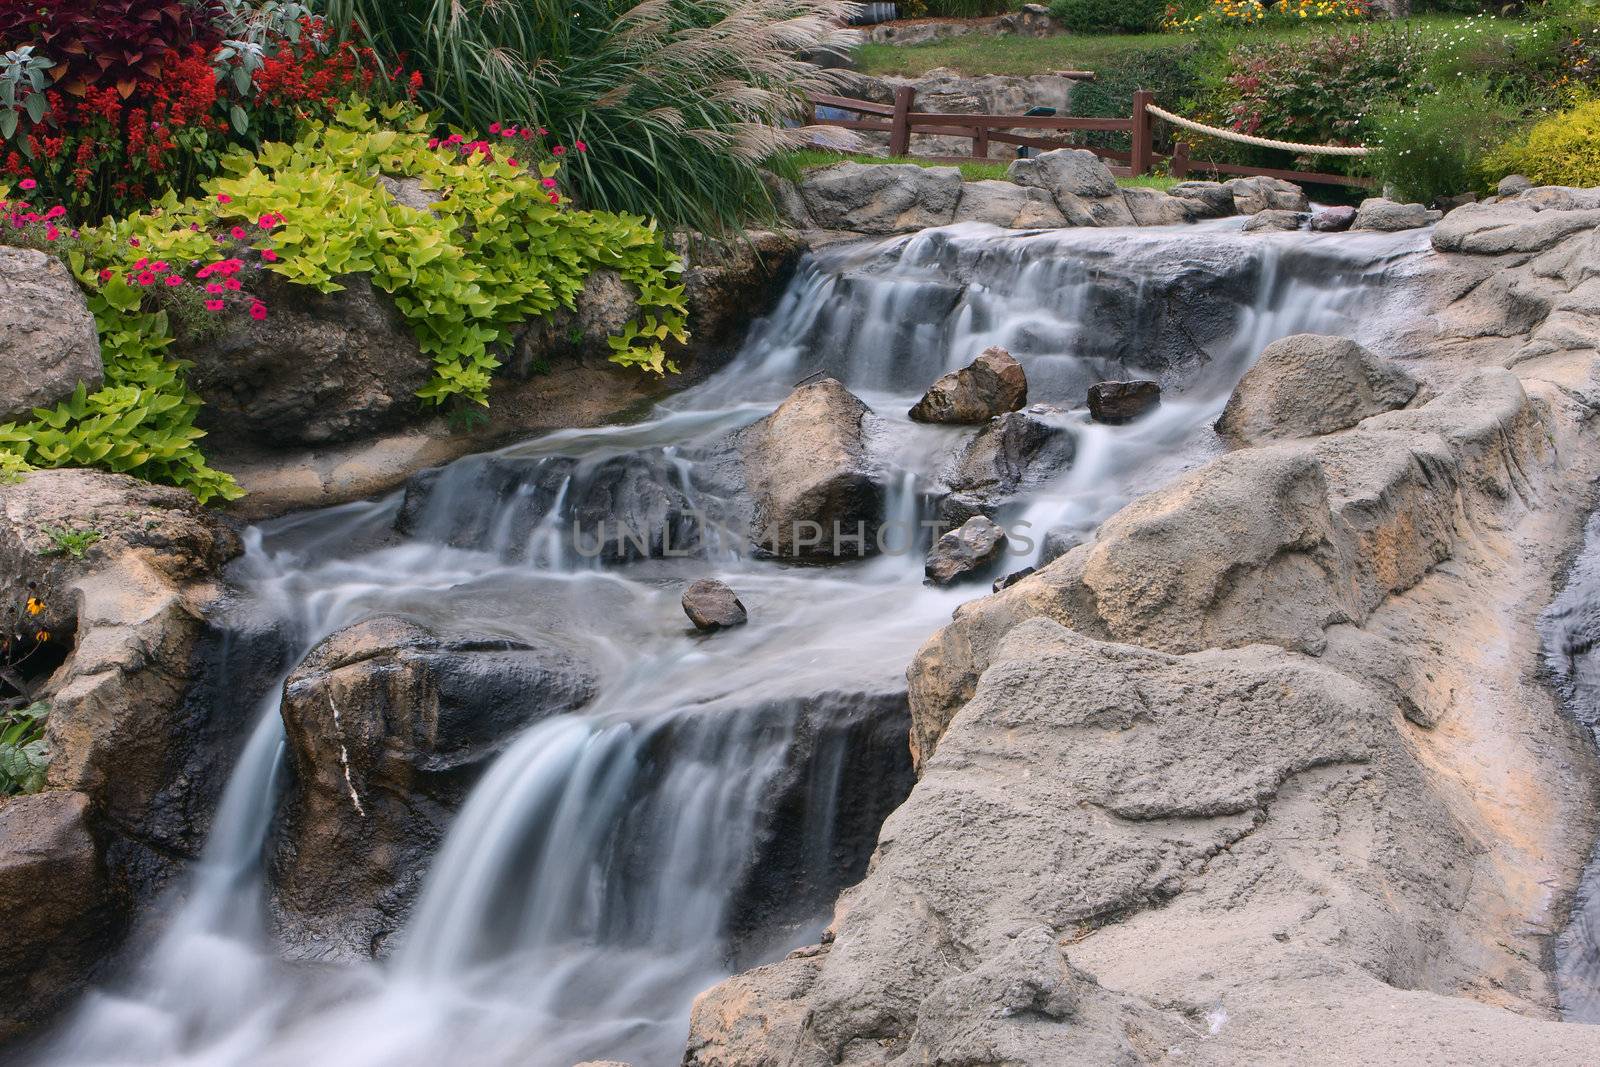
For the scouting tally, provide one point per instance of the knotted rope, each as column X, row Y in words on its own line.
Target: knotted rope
column 1259, row 142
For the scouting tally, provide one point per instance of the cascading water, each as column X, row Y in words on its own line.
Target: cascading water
column 691, row 819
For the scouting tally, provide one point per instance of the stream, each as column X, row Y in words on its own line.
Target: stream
column 611, row 864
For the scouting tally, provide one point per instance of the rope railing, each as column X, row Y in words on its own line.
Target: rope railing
column 1259, row 142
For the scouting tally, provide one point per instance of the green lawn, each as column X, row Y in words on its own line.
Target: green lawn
column 975, row 171
column 983, row 54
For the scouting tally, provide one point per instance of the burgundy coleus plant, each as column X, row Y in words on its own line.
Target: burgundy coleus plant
column 100, row 44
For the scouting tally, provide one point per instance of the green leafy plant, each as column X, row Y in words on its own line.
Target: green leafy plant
column 24, row 752
column 1109, row 16
column 1433, row 147
column 679, row 100
column 1563, row 149
column 73, row 543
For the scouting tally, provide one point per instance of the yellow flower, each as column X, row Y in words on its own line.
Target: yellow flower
column 42, row 636
column 35, row 605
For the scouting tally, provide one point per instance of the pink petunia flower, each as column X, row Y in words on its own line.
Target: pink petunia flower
column 558, row 150
column 494, row 127
column 52, row 234
column 28, row 183
column 146, row 278
column 105, row 274
column 238, row 233
column 549, row 183
column 215, row 288
column 269, row 255
column 580, row 146
column 215, row 305
column 233, row 284
column 55, row 212
column 173, row 281
column 224, row 198
column 258, row 311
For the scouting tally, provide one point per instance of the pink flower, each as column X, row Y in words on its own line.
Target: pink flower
column 28, row 183
column 512, row 163
column 214, row 288
column 146, row 278
column 558, row 150
column 543, row 131
column 55, row 212
column 233, row 284
column 141, row 263
column 433, row 142
column 454, row 138
column 215, row 305
column 549, row 183
column 238, row 233
column 508, row 133
column 580, row 146
column 51, row 233
column 159, row 266
column 258, row 311
column 173, row 281
column 203, row 272
column 105, row 274
column 527, row 134
column 224, row 198
column 555, row 198
column 267, row 222
column 494, row 127
column 269, row 255
column 134, row 241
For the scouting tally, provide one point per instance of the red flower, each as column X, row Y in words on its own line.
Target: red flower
column 558, row 150
column 549, row 183
column 269, row 255
column 238, row 233
column 173, row 281
column 28, row 183
column 258, row 311
column 215, row 305
column 146, row 278
column 580, row 146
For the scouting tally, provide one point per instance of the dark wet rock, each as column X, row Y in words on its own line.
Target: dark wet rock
column 1448, row 204
column 1333, row 219
column 712, row 605
column 1307, row 385
column 55, row 904
column 1387, row 216
column 1008, row 580
column 1275, row 219
column 966, row 552
column 1119, row 402
column 817, row 493
column 388, row 724
column 990, row 385
column 48, row 342
column 1015, row 450
column 320, row 368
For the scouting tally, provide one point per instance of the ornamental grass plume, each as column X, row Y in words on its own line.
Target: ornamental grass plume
column 676, row 102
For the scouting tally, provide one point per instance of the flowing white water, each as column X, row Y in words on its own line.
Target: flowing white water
column 592, row 882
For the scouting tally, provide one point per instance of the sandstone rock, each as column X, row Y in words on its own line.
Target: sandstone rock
column 55, row 904
column 1512, row 184
column 712, row 605
column 966, row 552
column 817, row 493
column 1152, row 207
column 388, row 724
column 1387, row 216
column 990, row 385
column 1333, row 219
column 1001, row 203
column 48, row 343
column 1522, row 225
column 1083, row 187
column 881, row 198
column 1255, row 194
column 1014, row 450
column 1008, row 580
column 320, row 368
column 1275, row 219
column 1207, row 200
column 1307, row 385
column 1119, row 402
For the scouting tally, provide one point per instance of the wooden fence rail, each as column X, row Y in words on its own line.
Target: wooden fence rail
column 900, row 122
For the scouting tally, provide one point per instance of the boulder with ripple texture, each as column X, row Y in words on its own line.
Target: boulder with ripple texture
column 48, row 343
column 816, row 491
column 1307, row 385
column 990, row 385
column 389, row 722
column 881, row 198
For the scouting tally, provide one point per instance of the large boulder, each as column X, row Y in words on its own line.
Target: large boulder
column 1387, row 216
column 1335, row 219
column 1307, row 385
column 55, row 903
column 389, row 722
column 1205, row 200
column 1015, row 450
column 320, row 368
column 1083, row 186
column 48, row 343
column 881, row 198
column 990, row 385
column 1152, row 207
column 1256, row 194
column 817, row 492
column 1009, row 205
column 1529, row 223
column 1275, row 220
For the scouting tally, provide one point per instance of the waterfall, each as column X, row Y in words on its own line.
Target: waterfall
column 700, row 814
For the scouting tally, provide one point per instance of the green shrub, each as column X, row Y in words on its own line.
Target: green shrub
column 954, row 9
column 1434, row 146
column 679, row 100
column 24, row 753
column 1109, row 16
column 1561, row 150
column 1176, row 75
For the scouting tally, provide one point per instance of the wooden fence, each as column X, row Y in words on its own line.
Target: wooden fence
column 899, row 121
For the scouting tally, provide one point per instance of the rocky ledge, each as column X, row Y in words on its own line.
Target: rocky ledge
column 1262, row 772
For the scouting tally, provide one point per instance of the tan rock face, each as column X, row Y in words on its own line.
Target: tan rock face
column 1307, row 385
column 48, row 343
column 807, row 469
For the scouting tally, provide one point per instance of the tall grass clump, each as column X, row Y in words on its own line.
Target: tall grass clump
column 677, row 101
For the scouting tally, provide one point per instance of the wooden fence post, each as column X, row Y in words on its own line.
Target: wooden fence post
column 1180, row 159
column 1143, row 138
column 900, row 133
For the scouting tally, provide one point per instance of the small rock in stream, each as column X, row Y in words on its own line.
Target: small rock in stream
column 1009, row 580
column 990, row 385
column 965, row 552
column 711, row 605
column 1334, row 219
column 1118, row 402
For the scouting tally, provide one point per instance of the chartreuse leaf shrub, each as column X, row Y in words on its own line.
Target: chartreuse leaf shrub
column 24, row 753
column 498, row 247
column 1563, row 149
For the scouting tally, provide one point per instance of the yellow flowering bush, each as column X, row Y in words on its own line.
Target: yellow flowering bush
column 1182, row 18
